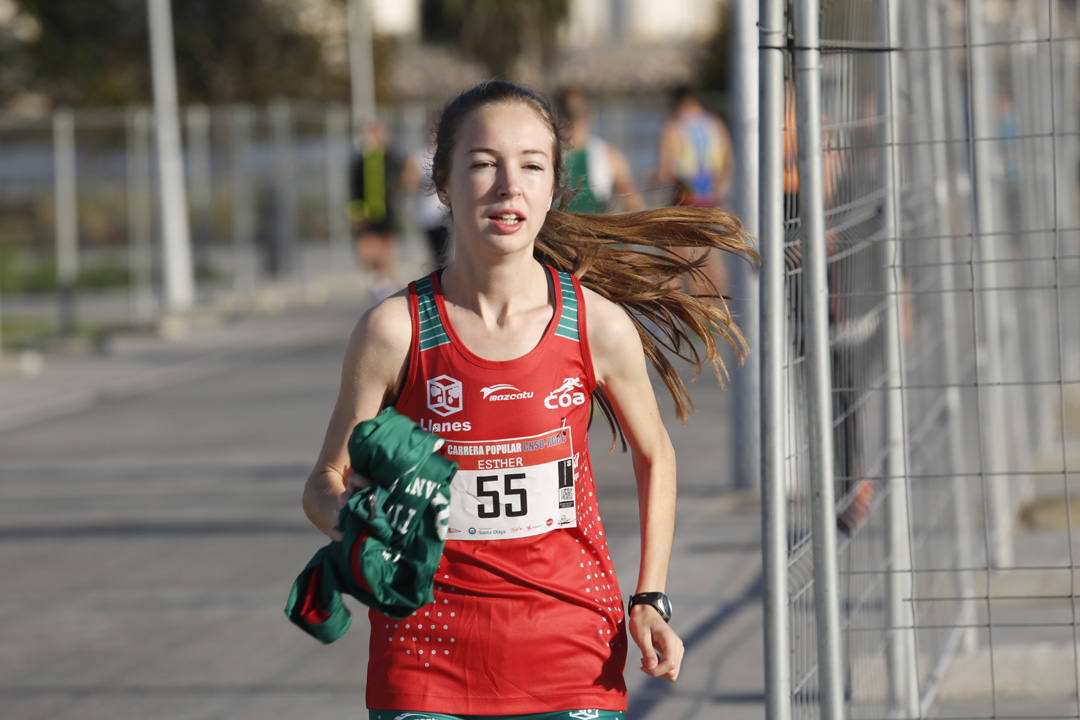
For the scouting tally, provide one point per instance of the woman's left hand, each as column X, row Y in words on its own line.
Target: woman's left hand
column 661, row 648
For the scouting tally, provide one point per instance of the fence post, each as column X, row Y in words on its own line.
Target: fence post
column 245, row 259
column 67, row 217
column 776, row 603
column 903, row 681
column 361, row 65
column 819, row 391
column 746, row 457
column 140, row 214
column 942, row 86
column 988, row 347
column 337, row 188
column 285, row 212
column 200, row 181
column 176, row 235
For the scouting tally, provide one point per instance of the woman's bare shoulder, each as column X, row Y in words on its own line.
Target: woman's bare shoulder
column 380, row 341
column 609, row 326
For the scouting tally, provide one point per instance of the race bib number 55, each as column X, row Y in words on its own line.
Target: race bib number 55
column 512, row 488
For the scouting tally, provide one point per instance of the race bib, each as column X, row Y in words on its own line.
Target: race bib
column 512, row 488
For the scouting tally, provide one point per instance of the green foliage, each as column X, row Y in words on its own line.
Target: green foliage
column 714, row 63
column 20, row 333
column 24, row 273
column 495, row 32
column 97, row 52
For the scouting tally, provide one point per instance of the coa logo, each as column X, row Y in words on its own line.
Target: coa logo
column 444, row 395
column 571, row 392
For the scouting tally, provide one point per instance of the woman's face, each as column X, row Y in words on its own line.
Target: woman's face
column 502, row 178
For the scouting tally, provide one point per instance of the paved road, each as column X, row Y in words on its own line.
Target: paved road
column 150, row 527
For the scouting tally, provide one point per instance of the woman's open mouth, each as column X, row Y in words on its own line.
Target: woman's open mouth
column 508, row 221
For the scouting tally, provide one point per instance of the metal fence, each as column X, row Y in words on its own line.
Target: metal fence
column 918, row 394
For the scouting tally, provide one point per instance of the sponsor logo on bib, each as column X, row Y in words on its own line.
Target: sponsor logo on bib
column 444, row 395
column 505, row 391
column 571, row 392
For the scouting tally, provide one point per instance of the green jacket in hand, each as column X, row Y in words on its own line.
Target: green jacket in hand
column 394, row 530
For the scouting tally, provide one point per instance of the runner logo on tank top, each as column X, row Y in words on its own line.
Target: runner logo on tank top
column 571, row 392
column 444, row 395
column 512, row 487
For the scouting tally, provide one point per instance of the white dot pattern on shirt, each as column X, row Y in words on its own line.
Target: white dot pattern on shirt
column 599, row 581
column 596, row 566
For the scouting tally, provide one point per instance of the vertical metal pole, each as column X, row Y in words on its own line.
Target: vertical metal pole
column 200, row 180
column 337, row 188
column 773, row 312
column 819, row 399
column 140, row 214
column 992, row 416
column 903, row 681
column 361, row 65
column 1067, row 147
column 67, row 217
column 286, row 230
column 942, row 86
column 245, row 264
column 179, row 276
column 744, row 62
column 1069, row 200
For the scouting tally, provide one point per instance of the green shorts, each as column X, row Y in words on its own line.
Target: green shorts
column 560, row 715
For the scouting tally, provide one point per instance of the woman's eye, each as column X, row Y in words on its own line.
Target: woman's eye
column 482, row 164
column 534, row 166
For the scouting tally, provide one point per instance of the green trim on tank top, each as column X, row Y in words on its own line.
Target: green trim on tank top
column 568, row 321
column 432, row 332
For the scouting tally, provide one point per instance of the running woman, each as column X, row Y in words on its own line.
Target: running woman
column 503, row 353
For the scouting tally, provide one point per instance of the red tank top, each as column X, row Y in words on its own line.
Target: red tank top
column 528, row 615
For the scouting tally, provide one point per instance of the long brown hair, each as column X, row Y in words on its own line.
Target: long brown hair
column 629, row 258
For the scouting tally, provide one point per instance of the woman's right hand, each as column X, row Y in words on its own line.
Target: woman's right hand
column 355, row 482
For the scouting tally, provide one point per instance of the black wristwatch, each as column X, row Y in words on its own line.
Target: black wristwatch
column 658, row 600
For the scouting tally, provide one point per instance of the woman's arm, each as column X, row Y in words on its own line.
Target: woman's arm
column 619, row 364
column 371, row 374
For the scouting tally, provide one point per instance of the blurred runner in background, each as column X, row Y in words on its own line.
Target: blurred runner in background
column 697, row 163
column 373, row 180
column 598, row 176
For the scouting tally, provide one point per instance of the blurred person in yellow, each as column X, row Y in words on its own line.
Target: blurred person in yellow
column 374, row 177
column 598, row 176
column 697, row 164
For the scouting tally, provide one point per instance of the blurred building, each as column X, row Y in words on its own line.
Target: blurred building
column 607, row 46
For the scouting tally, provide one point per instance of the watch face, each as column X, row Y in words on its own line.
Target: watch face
column 659, row 601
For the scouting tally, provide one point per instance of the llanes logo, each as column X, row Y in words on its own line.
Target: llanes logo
column 504, row 391
column 444, row 395
column 571, row 392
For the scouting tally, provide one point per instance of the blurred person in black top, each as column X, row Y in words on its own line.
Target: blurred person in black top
column 372, row 208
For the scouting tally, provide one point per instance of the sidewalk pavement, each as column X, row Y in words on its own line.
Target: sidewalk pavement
column 36, row 386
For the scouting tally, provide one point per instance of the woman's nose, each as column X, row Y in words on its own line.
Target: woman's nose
column 509, row 184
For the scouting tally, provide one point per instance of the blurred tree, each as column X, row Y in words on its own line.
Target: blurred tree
column 714, row 62
column 96, row 53
column 497, row 33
